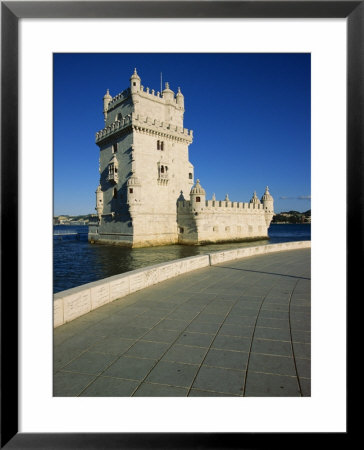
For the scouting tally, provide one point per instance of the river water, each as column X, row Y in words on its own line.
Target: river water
column 77, row 262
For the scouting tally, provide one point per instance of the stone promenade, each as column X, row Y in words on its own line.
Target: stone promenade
column 240, row 328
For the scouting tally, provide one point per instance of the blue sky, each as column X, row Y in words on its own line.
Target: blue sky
column 250, row 114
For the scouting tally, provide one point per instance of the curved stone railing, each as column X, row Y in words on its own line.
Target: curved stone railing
column 75, row 302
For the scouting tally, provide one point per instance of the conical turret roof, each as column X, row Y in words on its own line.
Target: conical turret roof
column 255, row 199
column 135, row 76
column 198, row 189
column 266, row 196
column 107, row 95
column 167, row 88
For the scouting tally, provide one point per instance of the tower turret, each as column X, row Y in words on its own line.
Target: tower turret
column 168, row 94
column 197, row 197
column 180, row 99
column 133, row 197
column 99, row 201
column 107, row 100
column 135, row 82
column 267, row 201
column 255, row 200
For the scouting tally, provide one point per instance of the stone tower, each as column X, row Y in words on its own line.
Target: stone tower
column 144, row 166
column 267, row 201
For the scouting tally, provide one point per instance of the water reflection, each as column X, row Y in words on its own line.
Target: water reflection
column 77, row 262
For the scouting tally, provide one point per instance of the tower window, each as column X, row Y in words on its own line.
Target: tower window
column 134, row 83
column 114, row 148
column 162, row 169
column 198, row 199
column 130, row 190
column 115, row 194
column 160, row 145
column 112, row 173
column 190, row 176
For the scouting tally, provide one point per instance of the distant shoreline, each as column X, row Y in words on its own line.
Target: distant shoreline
column 290, row 223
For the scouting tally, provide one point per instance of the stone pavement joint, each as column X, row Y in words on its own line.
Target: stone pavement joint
column 241, row 328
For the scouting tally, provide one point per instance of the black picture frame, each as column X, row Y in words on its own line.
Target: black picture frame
column 11, row 12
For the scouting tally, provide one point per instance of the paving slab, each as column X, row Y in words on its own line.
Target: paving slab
column 240, row 328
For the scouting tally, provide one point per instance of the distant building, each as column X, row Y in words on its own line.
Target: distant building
column 147, row 195
column 62, row 220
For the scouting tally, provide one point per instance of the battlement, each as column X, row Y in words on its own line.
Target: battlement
column 152, row 95
column 116, row 126
column 119, row 98
column 147, row 93
column 213, row 205
column 145, row 124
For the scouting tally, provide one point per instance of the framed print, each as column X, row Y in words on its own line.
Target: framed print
column 31, row 33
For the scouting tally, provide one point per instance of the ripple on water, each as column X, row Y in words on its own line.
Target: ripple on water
column 76, row 261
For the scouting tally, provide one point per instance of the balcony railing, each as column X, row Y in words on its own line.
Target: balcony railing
column 113, row 177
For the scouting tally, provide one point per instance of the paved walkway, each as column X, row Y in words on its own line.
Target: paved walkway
column 241, row 328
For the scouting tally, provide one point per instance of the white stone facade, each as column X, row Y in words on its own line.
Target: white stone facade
column 145, row 171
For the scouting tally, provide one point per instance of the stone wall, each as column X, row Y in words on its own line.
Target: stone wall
column 75, row 302
column 218, row 221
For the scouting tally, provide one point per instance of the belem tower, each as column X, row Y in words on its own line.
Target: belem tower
column 147, row 195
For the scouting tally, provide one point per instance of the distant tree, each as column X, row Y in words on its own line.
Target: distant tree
column 280, row 218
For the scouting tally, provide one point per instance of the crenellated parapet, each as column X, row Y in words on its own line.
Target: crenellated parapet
column 147, row 125
column 221, row 206
column 165, row 97
column 198, row 203
column 117, row 126
column 119, row 98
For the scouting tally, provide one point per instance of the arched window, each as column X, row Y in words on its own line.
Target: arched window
column 198, row 199
column 162, row 169
column 158, row 145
